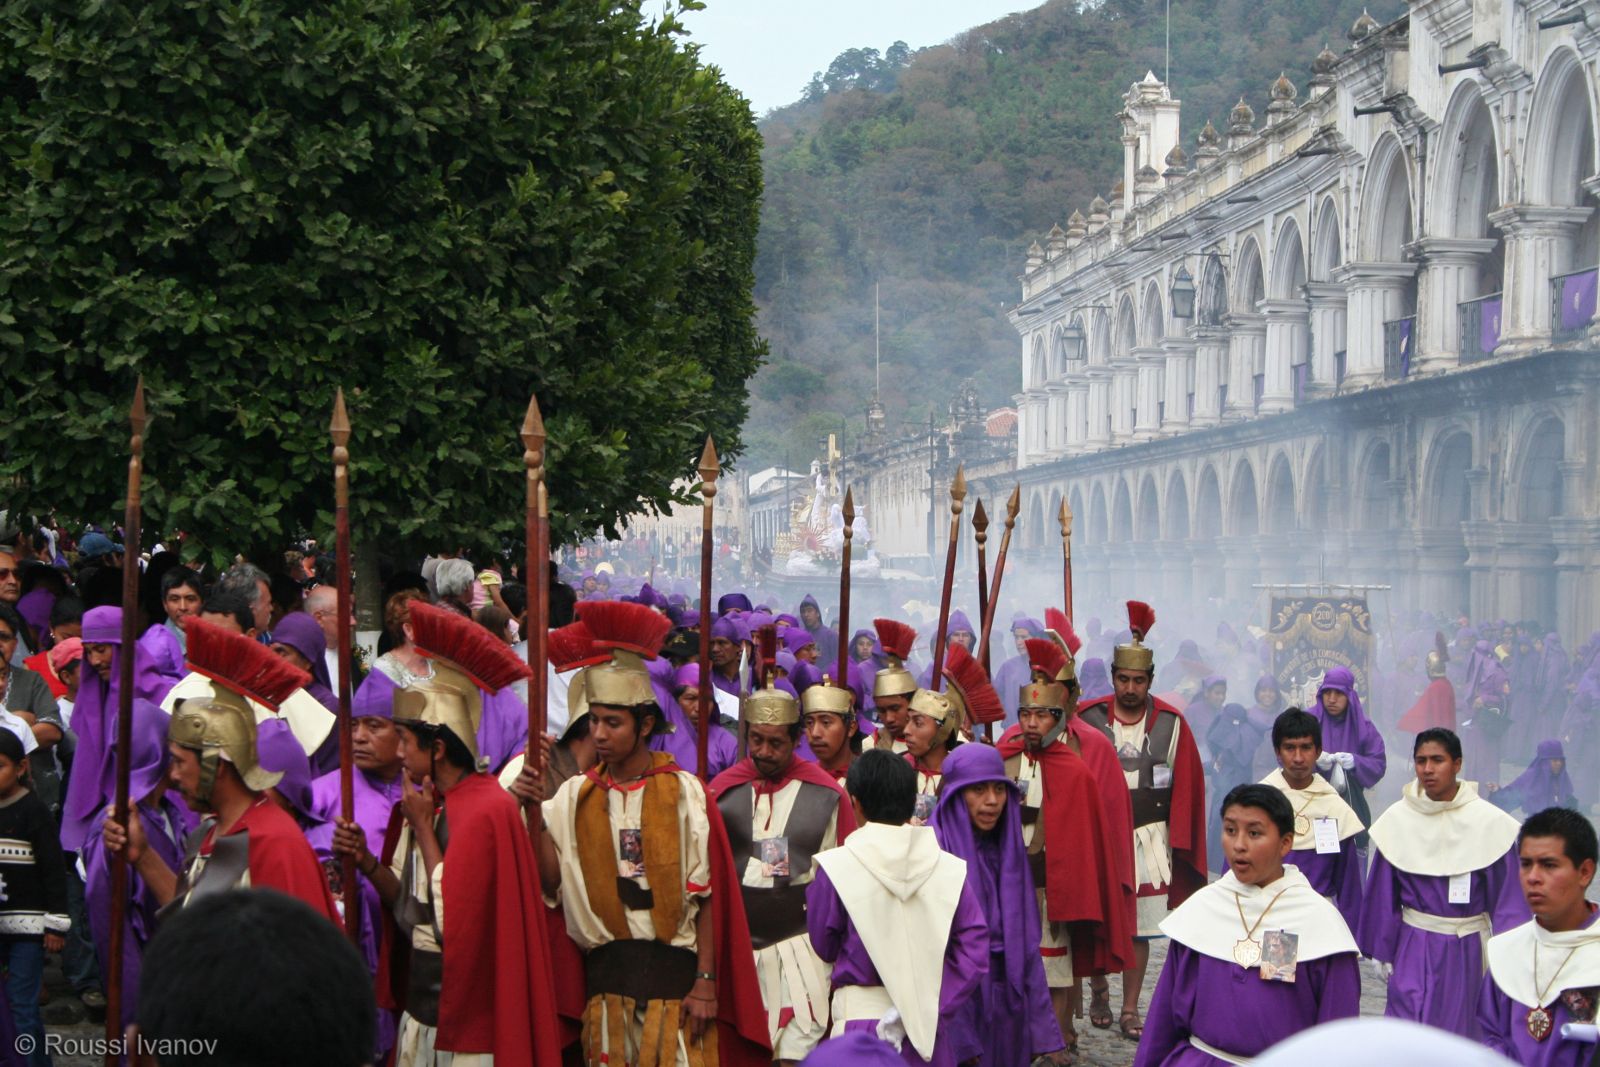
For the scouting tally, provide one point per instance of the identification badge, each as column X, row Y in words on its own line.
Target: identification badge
column 1280, row 951
column 1580, row 1003
column 924, row 809
column 1326, row 832
column 630, row 853
column 1127, row 751
column 1161, row 776
column 1461, row 888
column 774, row 857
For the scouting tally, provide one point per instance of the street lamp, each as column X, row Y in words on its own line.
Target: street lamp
column 1183, row 294
column 1073, row 341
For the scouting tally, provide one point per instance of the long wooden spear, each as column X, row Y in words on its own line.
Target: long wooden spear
column 841, row 669
column 339, row 430
column 130, row 633
column 958, row 493
column 536, row 564
column 709, row 469
column 1065, row 519
column 980, row 532
column 1012, row 507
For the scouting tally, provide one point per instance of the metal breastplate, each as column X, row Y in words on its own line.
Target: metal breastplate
column 1150, row 805
column 778, row 913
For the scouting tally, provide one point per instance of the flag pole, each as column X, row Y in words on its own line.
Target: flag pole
column 709, row 469
column 536, row 534
column 339, row 431
column 130, row 632
column 958, row 493
column 980, row 531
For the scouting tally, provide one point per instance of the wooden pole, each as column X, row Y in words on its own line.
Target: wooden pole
column 536, row 531
column 1065, row 519
column 709, row 469
column 1012, row 507
column 980, row 531
column 841, row 669
column 130, row 632
column 339, row 431
column 958, row 492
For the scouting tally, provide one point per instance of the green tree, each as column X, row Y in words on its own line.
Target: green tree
column 441, row 207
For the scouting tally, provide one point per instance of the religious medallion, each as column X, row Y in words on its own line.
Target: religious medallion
column 1539, row 1022
column 1247, row 952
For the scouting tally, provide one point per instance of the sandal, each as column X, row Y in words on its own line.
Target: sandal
column 1136, row 1030
column 1100, row 1008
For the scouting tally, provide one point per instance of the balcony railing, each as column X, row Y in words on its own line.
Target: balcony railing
column 1572, row 302
column 1480, row 327
column 1397, row 341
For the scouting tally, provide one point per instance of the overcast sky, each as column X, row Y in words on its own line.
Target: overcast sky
column 768, row 49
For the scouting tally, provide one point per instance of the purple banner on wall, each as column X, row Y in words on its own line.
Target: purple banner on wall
column 1406, row 328
column 1578, row 300
column 1489, row 324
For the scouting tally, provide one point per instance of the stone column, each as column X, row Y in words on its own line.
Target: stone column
column 1077, row 414
column 1245, row 345
column 1539, row 245
column 1147, row 393
column 1210, row 356
column 1239, row 568
column 1449, row 276
column 1020, row 401
column 1099, row 429
column 1056, row 413
column 1577, row 574
column 1375, row 294
column 1179, row 355
column 1443, row 581
column 1327, row 325
column 1285, row 348
column 1124, row 374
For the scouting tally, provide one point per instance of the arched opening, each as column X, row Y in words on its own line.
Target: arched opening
column 1280, row 497
column 1100, row 338
column 1211, row 303
column 1386, row 231
column 1127, row 330
column 1288, row 307
column 1244, row 519
column 1469, row 190
column 1149, row 510
column 1155, row 316
column 1314, row 495
column 1539, row 482
column 1208, row 507
column 1079, row 516
column 1033, row 535
column 1122, row 515
column 1038, row 370
column 1449, row 499
column 1374, row 501
column 1561, row 154
column 1177, row 509
column 1249, row 283
column 1326, row 243
column 1097, row 516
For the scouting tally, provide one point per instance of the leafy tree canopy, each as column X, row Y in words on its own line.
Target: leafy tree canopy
column 440, row 207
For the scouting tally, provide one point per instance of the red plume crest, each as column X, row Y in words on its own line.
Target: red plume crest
column 767, row 646
column 572, row 646
column 630, row 627
column 480, row 655
column 966, row 674
column 895, row 637
column 1046, row 657
column 1057, row 621
column 235, row 662
column 1141, row 619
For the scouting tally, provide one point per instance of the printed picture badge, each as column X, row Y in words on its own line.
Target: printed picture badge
column 1280, row 951
column 775, row 857
column 630, row 853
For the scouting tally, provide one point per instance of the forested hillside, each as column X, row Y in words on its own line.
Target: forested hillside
column 930, row 172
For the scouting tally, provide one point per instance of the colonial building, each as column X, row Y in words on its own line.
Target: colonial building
column 1356, row 336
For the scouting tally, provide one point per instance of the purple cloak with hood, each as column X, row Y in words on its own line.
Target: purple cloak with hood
column 1009, row 1019
column 1354, row 733
column 1095, row 680
column 957, row 624
column 679, row 733
column 304, row 634
column 1539, row 787
column 826, row 637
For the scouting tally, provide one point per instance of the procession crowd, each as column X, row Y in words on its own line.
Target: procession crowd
column 847, row 844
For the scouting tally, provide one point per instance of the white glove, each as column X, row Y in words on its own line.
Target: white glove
column 1386, row 970
column 892, row 1029
column 1346, row 760
column 1325, row 761
column 1337, row 779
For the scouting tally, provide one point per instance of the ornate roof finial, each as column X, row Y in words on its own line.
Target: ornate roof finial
column 1242, row 118
column 1324, row 62
column 1365, row 27
column 1283, row 88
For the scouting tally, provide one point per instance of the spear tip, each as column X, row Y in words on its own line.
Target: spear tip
column 339, row 424
column 136, row 413
column 849, row 509
column 1014, row 504
column 1065, row 518
column 709, row 467
column 958, row 488
column 980, row 518
column 533, row 435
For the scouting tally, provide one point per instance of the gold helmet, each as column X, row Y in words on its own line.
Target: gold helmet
column 467, row 660
column 829, row 698
column 625, row 636
column 222, row 727
column 1135, row 656
column 896, row 639
column 769, row 705
column 944, row 708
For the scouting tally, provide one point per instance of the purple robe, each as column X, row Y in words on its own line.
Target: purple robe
column 966, row 959
column 1013, row 674
column 504, row 729
column 678, row 733
column 825, row 636
column 1436, row 976
column 1503, row 1026
column 1095, row 679
column 1354, row 733
column 1009, row 1020
column 1234, row 1010
column 1538, row 787
column 1336, row 875
column 165, row 650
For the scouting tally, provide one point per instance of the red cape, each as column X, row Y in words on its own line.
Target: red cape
column 1116, row 808
column 1436, row 707
column 1186, row 830
column 281, row 858
column 1082, row 885
column 497, row 995
column 802, row 769
column 742, row 1039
